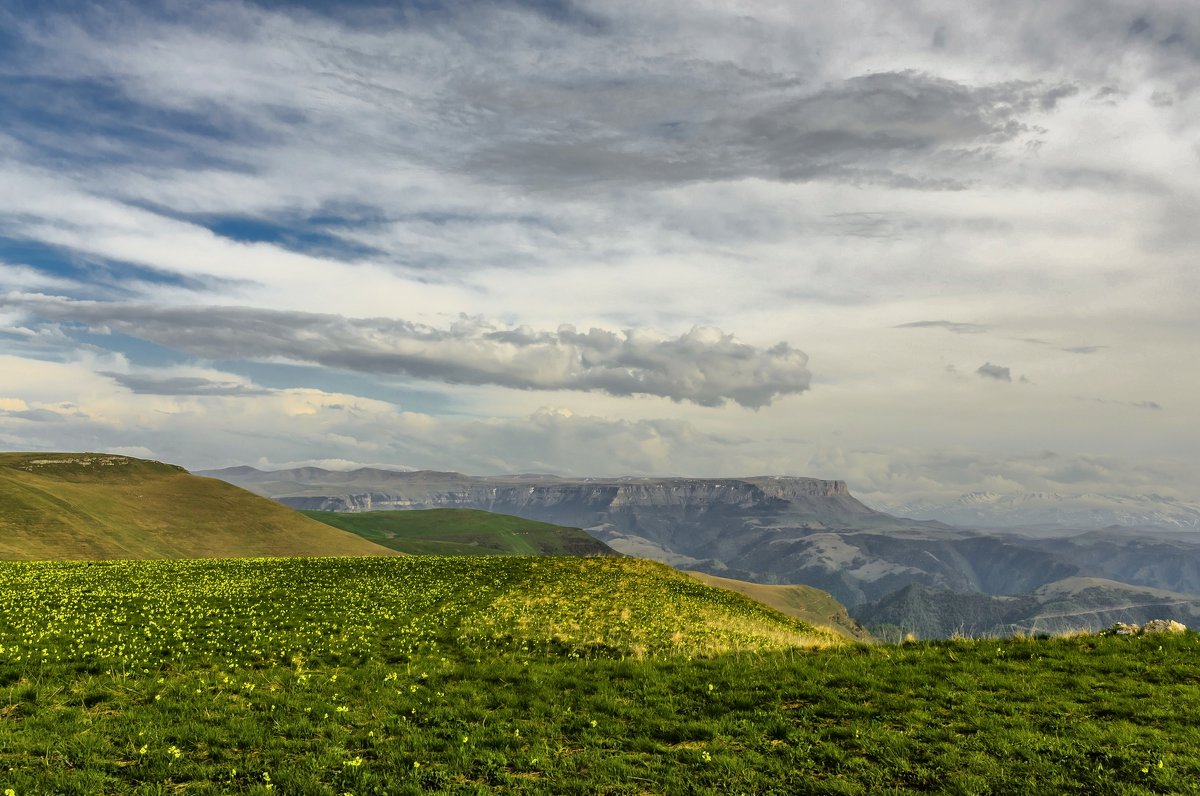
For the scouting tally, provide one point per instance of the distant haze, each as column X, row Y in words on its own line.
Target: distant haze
column 1048, row 510
column 928, row 248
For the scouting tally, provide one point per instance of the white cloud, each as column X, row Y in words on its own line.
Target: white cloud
column 704, row 366
column 254, row 425
column 789, row 172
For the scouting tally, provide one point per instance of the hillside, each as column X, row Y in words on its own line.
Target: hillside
column 100, row 506
column 464, row 532
column 456, row 675
column 613, row 605
column 1069, row 605
column 803, row 602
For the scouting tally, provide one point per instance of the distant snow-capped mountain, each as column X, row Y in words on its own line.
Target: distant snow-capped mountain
column 1050, row 509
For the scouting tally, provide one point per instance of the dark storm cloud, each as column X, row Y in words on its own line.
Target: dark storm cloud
column 704, row 366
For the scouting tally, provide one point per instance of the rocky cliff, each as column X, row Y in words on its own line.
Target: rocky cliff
column 375, row 490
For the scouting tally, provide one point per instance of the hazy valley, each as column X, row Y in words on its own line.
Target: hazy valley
column 1049, row 512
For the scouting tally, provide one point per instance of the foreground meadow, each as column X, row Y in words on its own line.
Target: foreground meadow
column 522, row 675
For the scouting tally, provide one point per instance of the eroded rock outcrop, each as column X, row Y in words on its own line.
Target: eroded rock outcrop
column 1154, row 627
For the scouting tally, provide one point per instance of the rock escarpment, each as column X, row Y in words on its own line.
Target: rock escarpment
column 626, row 504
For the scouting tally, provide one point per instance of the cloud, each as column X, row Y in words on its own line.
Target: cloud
column 280, row 426
column 889, row 477
column 705, row 365
column 989, row 371
column 33, row 415
column 950, row 326
column 146, row 384
column 796, row 172
column 461, row 94
column 560, row 441
column 1076, row 349
column 855, row 130
column 1153, row 406
column 24, row 277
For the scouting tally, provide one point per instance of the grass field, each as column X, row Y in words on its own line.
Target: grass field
column 463, row 532
column 550, row 675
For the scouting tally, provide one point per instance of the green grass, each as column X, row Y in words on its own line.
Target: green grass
column 100, row 506
column 806, row 603
column 463, row 532
column 418, row 675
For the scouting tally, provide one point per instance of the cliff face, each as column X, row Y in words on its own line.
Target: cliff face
column 592, row 499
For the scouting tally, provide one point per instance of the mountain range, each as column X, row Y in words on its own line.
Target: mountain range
column 770, row 530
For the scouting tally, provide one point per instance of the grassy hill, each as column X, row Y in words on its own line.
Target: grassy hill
column 807, row 604
column 448, row 675
column 464, row 532
column 100, row 506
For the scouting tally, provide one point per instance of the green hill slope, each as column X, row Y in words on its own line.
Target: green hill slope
column 100, row 506
column 331, row 607
column 546, row 676
column 806, row 603
column 464, row 532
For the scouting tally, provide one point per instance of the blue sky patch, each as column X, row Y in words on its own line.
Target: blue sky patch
column 98, row 277
column 302, row 235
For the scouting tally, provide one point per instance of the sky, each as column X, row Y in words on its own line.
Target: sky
column 928, row 248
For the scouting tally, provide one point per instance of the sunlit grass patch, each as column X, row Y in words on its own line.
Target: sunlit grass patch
column 636, row 607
